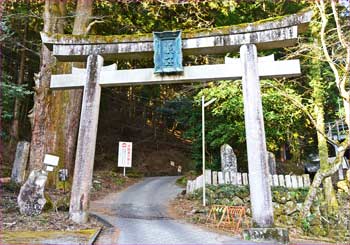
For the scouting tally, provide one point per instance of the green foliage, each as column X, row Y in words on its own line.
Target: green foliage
column 120, row 181
column 11, row 187
column 283, row 194
column 225, row 120
column 134, row 174
column 227, row 194
column 222, row 195
column 49, row 203
column 97, row 185
column 62, row 204
column 182, row 181
column 11, row 91
column 305, row 223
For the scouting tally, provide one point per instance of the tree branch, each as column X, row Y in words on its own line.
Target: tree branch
column 320, row 175
column 88, row 28
column 324, row 20
column 303, row 108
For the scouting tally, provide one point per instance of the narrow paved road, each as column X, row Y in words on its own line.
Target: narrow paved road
column 140, row 212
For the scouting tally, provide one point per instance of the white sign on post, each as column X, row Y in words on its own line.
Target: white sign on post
column 125, row 155
column 50, row 162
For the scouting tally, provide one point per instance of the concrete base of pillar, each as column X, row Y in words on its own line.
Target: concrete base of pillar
column 275, row 235
column 79, row 217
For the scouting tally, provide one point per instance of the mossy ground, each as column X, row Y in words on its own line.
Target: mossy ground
column 48, row 237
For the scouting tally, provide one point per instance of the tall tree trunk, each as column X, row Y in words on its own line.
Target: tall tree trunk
column 324, row 164
column 41, row 139
column 69, row 101
column 17, row 107
column 318, row 94
column 83, row 16
column 1, row 144
column 283, row 152
column 62, row 119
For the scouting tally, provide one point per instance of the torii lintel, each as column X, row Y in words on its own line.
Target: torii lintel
column 267, row 34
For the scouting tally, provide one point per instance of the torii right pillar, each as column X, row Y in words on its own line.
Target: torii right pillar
column 260, row 190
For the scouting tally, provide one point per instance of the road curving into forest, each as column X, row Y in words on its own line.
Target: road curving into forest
column 140, row 213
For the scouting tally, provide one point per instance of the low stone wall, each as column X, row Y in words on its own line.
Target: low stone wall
column 287, row 203
column 236, row 178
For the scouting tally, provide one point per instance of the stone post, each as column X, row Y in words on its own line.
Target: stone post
column 272, row 162
column 20, row 163
column 85, row 155
column 260, row 192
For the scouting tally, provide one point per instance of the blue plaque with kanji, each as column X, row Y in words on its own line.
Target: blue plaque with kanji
column 167, row 52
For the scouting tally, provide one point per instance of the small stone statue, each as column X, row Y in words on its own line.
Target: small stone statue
column 31, row 198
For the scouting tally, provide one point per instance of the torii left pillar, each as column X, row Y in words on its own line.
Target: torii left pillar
column 85, row 153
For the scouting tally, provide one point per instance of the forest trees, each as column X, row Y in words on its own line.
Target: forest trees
column 335, row 49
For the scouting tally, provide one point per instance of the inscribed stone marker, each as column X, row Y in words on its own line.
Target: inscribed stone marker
column 228, row 159
column 20, row 163
column 272, row 162
column 31, row 198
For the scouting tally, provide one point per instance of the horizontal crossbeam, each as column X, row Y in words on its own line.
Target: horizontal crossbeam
column 218, row 44
column 265, row 34
column 202, row 73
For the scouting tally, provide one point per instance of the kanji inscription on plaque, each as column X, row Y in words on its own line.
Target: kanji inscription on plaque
column 167, row 52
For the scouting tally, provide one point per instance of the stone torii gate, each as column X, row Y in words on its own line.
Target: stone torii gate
column 279, row 33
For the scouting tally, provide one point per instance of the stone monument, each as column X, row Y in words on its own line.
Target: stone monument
column 20, row 163
column 31, row 198
column 272, row 162
column 228, row 159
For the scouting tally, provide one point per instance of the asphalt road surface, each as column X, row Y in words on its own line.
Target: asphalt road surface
column 142, row 218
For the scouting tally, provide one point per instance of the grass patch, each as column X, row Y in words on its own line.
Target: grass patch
column 120, row 181
column 134, row 174
column 11, row 187
column 182, row 181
